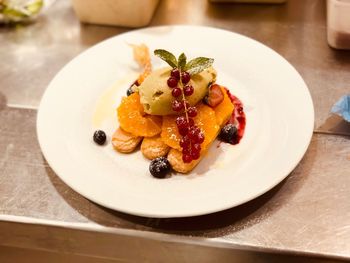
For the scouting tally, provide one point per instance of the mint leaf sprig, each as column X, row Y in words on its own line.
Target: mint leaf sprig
column 167, row 57
column 193, row 66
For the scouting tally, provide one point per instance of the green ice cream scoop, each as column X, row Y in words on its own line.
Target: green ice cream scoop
column 155, row 95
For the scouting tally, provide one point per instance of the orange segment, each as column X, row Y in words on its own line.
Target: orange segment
column 224, row 110
column 133, row 120
column 170, row 134
column 205, row 120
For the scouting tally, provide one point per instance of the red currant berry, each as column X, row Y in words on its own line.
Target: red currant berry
column 192, row 111
column 190, row 122
column 187, row 158
column 196, row 147
column 196, row 129
column 186, row 151
column 185, row 142
column 182, row 124
column 188, row 90
column 185, row 77
column 195, row 155
column 200, row 138
column 175, row 73
column 180, row 120
column 193, row 133
column 176, row 92
column 177, row 105
column 172, row 82
column 183, row 131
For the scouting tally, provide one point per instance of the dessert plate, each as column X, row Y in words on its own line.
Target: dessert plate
column 83, row 97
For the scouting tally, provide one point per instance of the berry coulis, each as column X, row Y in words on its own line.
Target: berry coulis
column 237, row 117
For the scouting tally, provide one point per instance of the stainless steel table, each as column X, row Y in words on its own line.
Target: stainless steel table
column 307, row 215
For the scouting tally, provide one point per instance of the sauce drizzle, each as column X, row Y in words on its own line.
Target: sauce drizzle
column 237, row 118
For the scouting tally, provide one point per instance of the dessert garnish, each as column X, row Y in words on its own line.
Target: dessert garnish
column 159, row 167
column 99, row 137
column 180, row 75
column 228, row 133
column 176, row 112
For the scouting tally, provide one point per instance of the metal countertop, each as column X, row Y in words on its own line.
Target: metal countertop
column 309, row 212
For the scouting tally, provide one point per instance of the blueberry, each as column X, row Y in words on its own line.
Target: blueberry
column 129, row 91
column 159, row 167
column 100, row 137
column 229, row 133
column 205, row 100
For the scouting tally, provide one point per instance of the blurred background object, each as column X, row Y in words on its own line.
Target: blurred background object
column 338, row 23
column 128, row 13
column 19, row 10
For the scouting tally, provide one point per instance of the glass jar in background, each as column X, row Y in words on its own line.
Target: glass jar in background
column 338, row 23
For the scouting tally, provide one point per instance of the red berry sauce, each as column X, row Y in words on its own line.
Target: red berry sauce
column 238, row 116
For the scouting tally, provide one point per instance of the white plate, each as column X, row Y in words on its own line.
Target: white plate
column 278, row 106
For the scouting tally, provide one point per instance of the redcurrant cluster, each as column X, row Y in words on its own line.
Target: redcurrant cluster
column 180, row 103
column 191, row 140
column 192, row 136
